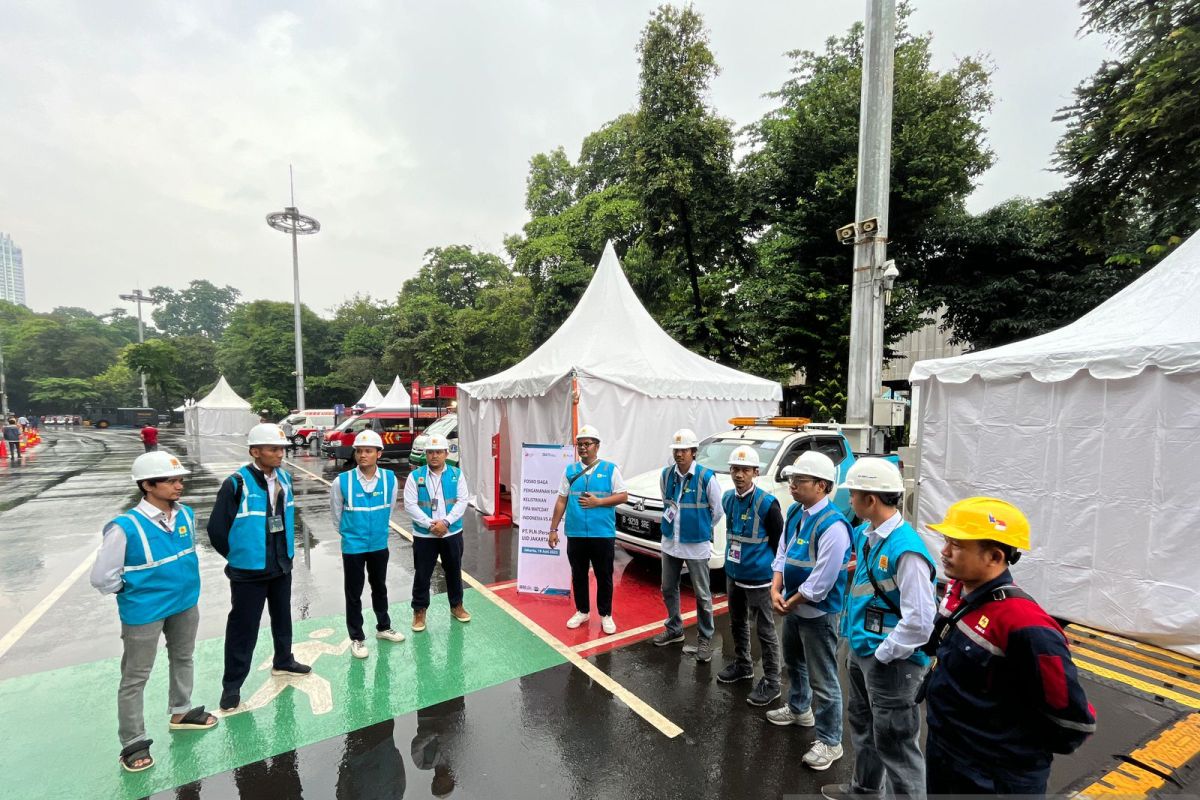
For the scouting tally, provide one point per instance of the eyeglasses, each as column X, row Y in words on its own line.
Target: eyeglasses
column 587, row 444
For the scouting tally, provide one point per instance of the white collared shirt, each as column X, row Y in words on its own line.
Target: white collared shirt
column 109, row 567
column 831, row 550
column 918, row 600
column 692, row 550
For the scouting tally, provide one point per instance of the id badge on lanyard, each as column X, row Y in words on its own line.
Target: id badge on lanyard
column 874, row 621
column 735, row 552
column 275, row 523
column 670, row 512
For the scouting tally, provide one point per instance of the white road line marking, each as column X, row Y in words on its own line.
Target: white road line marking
column 635, row 703
column 30, row 619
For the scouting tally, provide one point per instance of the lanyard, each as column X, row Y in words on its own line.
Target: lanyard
column 435, row 500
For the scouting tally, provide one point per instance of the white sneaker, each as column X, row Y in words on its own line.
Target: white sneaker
column 821, row 756
column 390, row 635
column 358, row 649
column 785, row 716
column 607, row 624
column 577, row 619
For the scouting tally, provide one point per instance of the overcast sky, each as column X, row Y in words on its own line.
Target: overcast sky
column 144, row 143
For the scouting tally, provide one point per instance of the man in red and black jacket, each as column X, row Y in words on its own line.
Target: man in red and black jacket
column 1004, row 695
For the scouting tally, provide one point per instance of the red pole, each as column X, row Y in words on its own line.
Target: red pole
column 497, row 519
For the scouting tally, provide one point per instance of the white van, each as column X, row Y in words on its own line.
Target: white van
column 306, row 423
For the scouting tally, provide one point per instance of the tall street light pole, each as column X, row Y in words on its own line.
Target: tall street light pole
column 3, row 388
column 290, row 220
column 865, row 370
column 139, row 298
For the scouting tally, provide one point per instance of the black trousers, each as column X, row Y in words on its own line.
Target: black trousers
column 947, row 774
column 595, row 552
column 375, row 564
column 425, row 555
column 241, row 629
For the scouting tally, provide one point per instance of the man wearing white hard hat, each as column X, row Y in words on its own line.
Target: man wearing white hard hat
column 890, row 611
column 809, row 589
column 691, row 507
column 435, row 497
column 252, row 526
column 361, row 502
column 148, row 559
column 753, row 526
column 591, row 490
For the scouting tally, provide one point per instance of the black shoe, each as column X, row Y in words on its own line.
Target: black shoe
column 735, row 672
column 763, row 694
column 230, row 701
column 293, row 667
column 666, row 637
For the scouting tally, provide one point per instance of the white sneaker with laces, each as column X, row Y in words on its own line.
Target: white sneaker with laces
column 390, row 635
column 785, row 716
column 607, row 624
column 821, row 756
column 577, row 619
column 358, row 649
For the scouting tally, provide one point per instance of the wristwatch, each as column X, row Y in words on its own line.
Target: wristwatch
column 554, row 530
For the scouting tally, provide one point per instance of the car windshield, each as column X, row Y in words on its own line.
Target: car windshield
column 444, row 425
column 354, row 425
column 714, row 453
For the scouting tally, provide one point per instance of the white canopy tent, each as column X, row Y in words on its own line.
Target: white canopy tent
column 1093, row 430
column 397, row 397
column 371, row 397
column 220, row 413
column 637, row 385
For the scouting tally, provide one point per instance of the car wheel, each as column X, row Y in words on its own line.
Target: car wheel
column 298, row 441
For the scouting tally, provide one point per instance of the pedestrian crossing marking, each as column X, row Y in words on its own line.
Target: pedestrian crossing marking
column 1169, row 681
column 1148, row 659
column 1148, row 648
column 1151, row 689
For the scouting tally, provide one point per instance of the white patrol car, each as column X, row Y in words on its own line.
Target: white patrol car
column 779, row 441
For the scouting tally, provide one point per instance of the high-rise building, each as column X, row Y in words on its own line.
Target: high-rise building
column 12, row 271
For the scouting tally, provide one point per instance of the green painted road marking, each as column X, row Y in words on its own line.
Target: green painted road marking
column 62, row 724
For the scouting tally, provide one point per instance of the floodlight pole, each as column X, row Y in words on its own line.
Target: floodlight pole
column 290, row 220
column 139, row 298
column 865, row 370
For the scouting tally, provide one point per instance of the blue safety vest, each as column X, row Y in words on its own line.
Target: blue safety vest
column 447, row 497
column 882, row 562
column 690, row 497
column 599, row 522
column 162, row 573
column 365, row 515
column 745, row 523
column 803, row 533
column 248, row 533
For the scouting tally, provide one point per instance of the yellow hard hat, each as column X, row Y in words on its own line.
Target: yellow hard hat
column 985, row 518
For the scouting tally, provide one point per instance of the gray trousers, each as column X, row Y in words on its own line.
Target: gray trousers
column 745, row 604
column 141, row 647
column 672, row 570
column 885, row 726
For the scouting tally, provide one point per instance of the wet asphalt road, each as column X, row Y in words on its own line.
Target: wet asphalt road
column 553, row 733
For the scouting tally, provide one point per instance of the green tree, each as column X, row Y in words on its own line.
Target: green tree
column 197, row 369
column 1013, row 272
column 158, row 360
column 68, row 393
column 457, row 274
column 117, row 386
column 257, row 349
column 683, row 161
column 266, row 403
column 799, row 182
column 1133, row 133
column 202, row 309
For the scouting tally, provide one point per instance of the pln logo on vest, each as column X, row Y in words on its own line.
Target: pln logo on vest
column 982, row 624
column 883, row 562
column 183, row 530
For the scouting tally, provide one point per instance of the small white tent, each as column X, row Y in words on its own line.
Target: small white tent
column 1092, row 430
column 397, row 397
column 637, row 385
column 371, row 397
column 220, row 413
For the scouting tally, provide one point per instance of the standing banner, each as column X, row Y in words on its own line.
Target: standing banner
column 540, row 569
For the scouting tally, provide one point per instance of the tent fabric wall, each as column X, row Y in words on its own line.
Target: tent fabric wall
column 631, row 423
column 1106, row 472
column 220, row 413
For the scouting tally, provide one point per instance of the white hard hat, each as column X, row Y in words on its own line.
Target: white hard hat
column 587, row 432
column 157, row 464
column 813, row 464
column 267, row 433
column 368, row 439
column 744, row 456
column 437, row 442
column 684, row 439
column 874, row 475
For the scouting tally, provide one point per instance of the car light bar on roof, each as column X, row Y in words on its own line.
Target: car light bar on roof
column 772, row 422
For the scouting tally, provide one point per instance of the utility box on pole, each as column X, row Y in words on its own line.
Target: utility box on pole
column 865, row 369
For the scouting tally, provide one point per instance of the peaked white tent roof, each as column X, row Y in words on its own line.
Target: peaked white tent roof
column 1152, row 322
column 397, row 397
column 223, row 396
column 371, row 397
column 611, row 336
